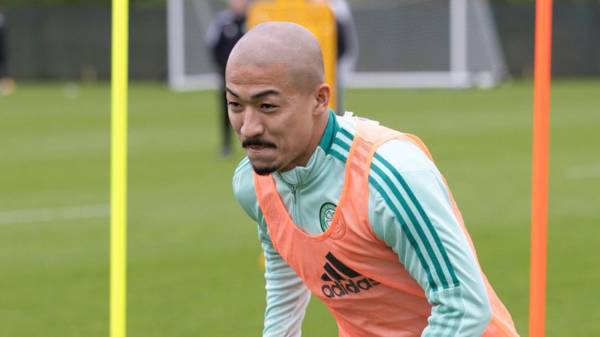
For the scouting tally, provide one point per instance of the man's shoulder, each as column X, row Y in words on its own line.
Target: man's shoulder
column 243, row 187
column 243, row 182
column 404, row 155
column 243, row 167
column 222, row 19
column 225, row 17
column 400, row 166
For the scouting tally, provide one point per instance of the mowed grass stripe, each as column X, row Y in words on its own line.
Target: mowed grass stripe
column 53, row 214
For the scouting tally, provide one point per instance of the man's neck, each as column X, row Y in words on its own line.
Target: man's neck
column 316, row 140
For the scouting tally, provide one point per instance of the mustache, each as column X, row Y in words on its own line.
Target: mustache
column 257, row 142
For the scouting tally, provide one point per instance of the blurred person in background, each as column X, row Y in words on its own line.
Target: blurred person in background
column 7, row 84
column 355, row 213
column 224, row 32
column 347, row 46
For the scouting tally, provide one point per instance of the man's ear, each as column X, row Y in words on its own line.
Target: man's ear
column 322, row 95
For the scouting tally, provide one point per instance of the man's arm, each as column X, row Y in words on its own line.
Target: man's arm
column 411, row 211
column 286, row 295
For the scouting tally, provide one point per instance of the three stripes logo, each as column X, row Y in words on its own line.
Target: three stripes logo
column 342, row 280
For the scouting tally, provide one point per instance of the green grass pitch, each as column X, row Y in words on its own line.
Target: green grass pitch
column 193, row 255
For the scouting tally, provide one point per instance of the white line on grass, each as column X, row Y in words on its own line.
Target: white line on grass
column 583, row 172
column 53, row 214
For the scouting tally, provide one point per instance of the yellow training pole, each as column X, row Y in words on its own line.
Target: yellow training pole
column 539, row 181
column 118, row 187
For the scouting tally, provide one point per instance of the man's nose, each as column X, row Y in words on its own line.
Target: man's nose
column 252, row 125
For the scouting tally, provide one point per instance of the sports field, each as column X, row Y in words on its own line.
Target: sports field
column 193, row 255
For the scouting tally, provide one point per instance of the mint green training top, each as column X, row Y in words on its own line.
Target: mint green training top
column 409, row 209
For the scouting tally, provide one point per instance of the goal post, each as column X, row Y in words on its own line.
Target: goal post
column 189, row 65
column 427, row 44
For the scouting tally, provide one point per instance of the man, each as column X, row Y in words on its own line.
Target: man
column 347, row 45
column 224, row 32
column 351, row 211
column 7, row 84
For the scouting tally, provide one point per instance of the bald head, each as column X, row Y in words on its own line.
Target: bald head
column 282, row 44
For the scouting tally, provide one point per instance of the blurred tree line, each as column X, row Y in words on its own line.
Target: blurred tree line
column 13, row 3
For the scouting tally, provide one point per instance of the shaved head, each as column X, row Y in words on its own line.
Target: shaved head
column 276, row 95
column 281, row 44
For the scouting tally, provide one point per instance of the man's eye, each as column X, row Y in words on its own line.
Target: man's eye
column 267, row 106
column 234, row 105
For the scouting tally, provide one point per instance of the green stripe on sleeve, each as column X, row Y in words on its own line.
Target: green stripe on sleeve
column 337, row 155
column 416, row 225
column 347, row 134
column 341, row 144
column 406, row 230
column 425, row 218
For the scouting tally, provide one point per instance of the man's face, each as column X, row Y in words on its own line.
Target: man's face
column 273, row 120
column 238, row 6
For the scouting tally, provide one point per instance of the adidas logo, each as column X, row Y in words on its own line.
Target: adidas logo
column 342, row 280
